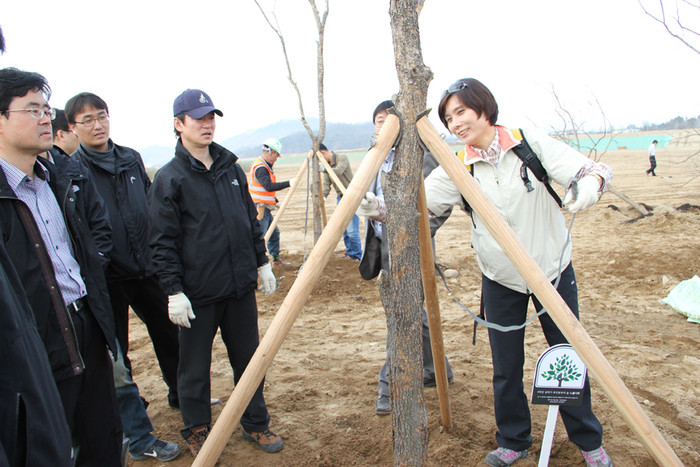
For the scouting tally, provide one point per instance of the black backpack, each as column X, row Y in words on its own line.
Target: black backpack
column 530, row 161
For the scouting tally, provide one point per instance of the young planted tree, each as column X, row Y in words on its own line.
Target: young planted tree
column 317, row 139
column 401, row 288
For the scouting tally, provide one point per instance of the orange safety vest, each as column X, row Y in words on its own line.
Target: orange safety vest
column 257, row 192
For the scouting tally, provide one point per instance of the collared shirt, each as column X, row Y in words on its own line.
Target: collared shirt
column 492, row 153
column 38, row 196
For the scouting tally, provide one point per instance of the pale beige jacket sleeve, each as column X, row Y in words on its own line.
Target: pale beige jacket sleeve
column 440, row 191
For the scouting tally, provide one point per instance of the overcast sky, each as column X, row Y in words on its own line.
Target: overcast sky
column 139, row 55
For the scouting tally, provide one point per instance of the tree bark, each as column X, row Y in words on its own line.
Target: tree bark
column 401, row 288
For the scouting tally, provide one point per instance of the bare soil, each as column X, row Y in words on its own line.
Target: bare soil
column 322, row 386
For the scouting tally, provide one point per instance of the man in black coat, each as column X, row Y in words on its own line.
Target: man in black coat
column 208, row 250
column 120, row 177
column 49, row 242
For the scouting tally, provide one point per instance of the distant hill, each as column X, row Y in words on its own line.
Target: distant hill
column 291, row 134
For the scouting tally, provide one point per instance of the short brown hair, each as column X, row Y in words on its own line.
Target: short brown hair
column 473, row 94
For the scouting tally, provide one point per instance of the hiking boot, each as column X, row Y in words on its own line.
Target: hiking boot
column 503, row 457
column 196, row 438
column 597, row 458
column 383, row 406
column 277, row 261
column 267, row 440
column 354, row 258
column 431, row 383
column 163, row 451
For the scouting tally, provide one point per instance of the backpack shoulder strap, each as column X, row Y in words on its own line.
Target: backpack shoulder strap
column 532, row 162
column 461, row 155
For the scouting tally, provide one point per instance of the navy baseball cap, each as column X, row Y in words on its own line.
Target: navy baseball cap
column 195, row 103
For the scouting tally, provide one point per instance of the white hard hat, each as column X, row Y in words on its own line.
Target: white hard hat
column 273, row 144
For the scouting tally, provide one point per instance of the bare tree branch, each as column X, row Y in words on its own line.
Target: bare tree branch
column 315, row 139
column 661, row 18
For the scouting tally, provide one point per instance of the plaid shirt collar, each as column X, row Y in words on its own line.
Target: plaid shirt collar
column 493, row 152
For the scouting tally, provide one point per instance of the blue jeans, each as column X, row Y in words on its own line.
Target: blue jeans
column 135, row 422
column 273, row 245
column 351, row 237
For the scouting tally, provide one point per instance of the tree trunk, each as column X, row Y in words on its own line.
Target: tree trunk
column 401, row 289
column 316, row 197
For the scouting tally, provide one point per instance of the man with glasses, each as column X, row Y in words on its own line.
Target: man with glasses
column 122, row 181
column 60, row 268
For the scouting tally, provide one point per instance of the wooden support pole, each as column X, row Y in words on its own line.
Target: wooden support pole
column 296, row 297
column 432, row 307
column 288, row 196
column 577, row 336
column 330, row 172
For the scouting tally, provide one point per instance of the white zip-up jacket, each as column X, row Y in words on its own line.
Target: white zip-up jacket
column 534, row 216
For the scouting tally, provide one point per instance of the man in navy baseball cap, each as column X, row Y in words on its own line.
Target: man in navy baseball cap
column 195, row 103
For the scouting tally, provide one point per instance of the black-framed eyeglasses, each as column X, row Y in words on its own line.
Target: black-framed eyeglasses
column 88, row 122
column 456, row 86
column 35, row 112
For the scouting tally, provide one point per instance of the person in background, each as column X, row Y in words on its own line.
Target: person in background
column 263, row 185
column 208, row 250
column 120, row 177
column 60, row 268
column 652, row 158
column 64, row 139
column 341, row 167
column 469, row 110
column 376, row 257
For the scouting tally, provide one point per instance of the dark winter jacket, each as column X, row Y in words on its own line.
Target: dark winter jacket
column 205, row 237
column 121, row 179
column 94, row 205
column 33, row 428
column 28, row 253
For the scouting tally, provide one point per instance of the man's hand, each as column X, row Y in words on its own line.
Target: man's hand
column 369, row 206
column 269, row 283
column 180, row 309
column 291, row 181
column 583, row 194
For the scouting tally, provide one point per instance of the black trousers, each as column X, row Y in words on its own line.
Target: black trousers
column 507, row 307
column 238, row 321
column 652, row 164
column 150, row 304
column 89, row 399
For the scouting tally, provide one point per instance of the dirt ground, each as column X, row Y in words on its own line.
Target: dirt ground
column 322, row 385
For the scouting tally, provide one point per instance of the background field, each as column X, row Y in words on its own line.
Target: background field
column 322, row 386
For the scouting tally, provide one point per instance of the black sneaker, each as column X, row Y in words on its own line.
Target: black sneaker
column 431, row 383
column 163, row 451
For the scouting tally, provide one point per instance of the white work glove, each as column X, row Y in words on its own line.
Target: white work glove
column 369, row 207
column 180, row 309
column 587, row 194
column 269, row 283
column 291, row 181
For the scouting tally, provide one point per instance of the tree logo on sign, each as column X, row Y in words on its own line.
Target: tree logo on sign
column 563, row 369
